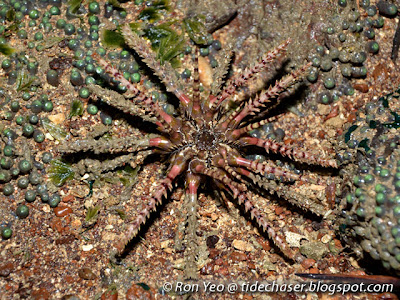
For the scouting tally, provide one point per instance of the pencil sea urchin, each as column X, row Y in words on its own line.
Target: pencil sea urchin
column 206, row 138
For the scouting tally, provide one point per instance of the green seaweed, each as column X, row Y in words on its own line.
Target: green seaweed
column 14, row 24
column 372, row 124
column 91, row 214
column 170, row 47
column 10, row 15
column 76, row 108
column 55, row 131
column 74, row 5
column 161, row 4
column 151, row 13
column 121, row 214
column 50, row 42
column 59, row 172
column 130, row 175
column 385, row 101
column 13, row 28
column 155, row 33
column 165, row 41
column 24, row 81
column 348, row 133
column 124, row 181
column 90, row 194
column 143, row 285
column 109, row 179
column 135, row 26
column 6, row 49
column 196, row 30
column 112, row 38
column 364, row 144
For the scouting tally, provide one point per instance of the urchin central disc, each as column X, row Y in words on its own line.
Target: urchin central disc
column 206, row 139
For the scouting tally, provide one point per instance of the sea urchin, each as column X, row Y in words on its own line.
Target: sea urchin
column 206, row 138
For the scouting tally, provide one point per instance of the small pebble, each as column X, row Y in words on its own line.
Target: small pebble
column 138, row 292
column 242, row 245
column 326, row 238
column 307, row 263
column 238, row 256
column 87, row 247
column 87, row 274
column 212, row 240
column 109, row 295
column 68, row 239
column 41, row 293
column 62, row 211
column 205, row 72
column 214, row 216
column 6, row 269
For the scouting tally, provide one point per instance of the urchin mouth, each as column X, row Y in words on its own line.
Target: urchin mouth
column 206, row 139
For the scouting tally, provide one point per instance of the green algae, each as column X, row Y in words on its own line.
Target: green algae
column 24, row 80
column 129, row 175
column 395, row 123
column 6, row 49
column 151, row 13
column 76, row 108
column 121, row 214
column 112, row 39
column 165, row 41
column 91, row 214
column 49, row 42
column 348, row 133
column 170, row 47
column 364, row 144
column 164, row 38
column 59, row 172
column 196, row 30
column 74, row 5
column 55, row 131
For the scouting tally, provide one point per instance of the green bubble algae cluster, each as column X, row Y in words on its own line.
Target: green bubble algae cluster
column 370, row 219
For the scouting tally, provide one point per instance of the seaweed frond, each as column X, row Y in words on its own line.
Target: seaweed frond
column 196, row 30
column 74, row 5
column 165, row 41
column 76, row 108
column 151, row 13
column 24, row 81
column 59, row 172
column 50, row 42
column 112, row 39
column 121, row 214
column 91, row 216
column 6, row 49
column 55, row 131
column 170, row 47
